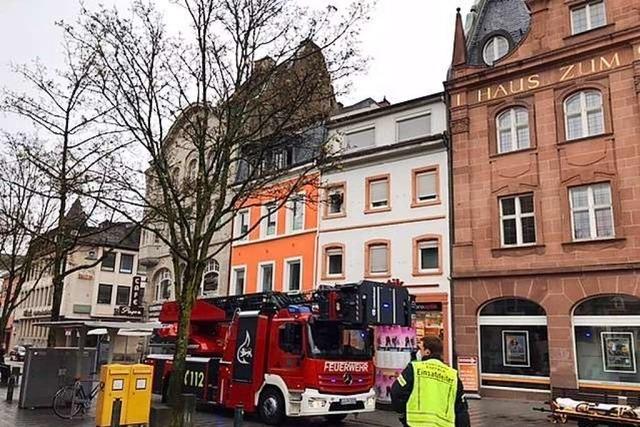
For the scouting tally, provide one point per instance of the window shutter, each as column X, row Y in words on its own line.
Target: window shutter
column 378, row 258
column 426, row 185
column 379, row 191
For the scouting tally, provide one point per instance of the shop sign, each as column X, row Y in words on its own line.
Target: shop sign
column 468, row 371
column 428, row 306
column 135, row 292
column 125, row 310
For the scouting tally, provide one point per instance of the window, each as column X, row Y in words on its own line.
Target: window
column 584, row 115
column 290, row 338
column 211, row 276
column 517, row 219
column 377, row 197
column 377, row 258
column 266, row 277
column 494, row 49
column 192, row 169
column 122, row 295
column 295, row 213
column 335, row 203
column 270, row 223
column 163, row 282
column 591, row 212
column 425, row 185
column 126, row 263
column 175, row 174
column 513, row 130
column 242, row 224
column 414, row 127
column 514, row 342
column 333, row 261
column 238, row 280
column 360, row 139
column 606, row 333
column 588, row 16
column 293, row 277
column 108, row 262
column 104, row 293
column 426, row 255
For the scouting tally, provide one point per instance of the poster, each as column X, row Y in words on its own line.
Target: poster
column 468, row 371
column 618, row 352
column 515, row 349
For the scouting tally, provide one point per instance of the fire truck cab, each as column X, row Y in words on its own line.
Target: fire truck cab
column 285, row 355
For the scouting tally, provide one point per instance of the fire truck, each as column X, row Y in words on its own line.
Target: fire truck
column 285, row 355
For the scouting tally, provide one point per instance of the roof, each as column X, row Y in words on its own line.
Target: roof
column 509, row 18
column 125, row 235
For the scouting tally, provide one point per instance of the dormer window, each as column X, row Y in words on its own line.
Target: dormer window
column 494, row 49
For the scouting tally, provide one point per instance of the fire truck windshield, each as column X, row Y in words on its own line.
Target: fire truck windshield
column 333, row 341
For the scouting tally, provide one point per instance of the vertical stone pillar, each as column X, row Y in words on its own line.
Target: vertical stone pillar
column 561, row 349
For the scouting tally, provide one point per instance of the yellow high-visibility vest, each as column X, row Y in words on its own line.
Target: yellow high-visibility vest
column 433, row 398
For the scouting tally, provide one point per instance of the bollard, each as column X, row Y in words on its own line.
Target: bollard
column 188, row 402
column 15, row 373
column 238, row 416
column 115, row 413
column 10, row 384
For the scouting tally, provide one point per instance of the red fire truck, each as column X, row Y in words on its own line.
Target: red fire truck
column 285, row 355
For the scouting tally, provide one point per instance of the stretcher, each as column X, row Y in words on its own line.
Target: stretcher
column 589, row 414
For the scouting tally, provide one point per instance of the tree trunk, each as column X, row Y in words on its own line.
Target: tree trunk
column 179, row 363
column 58, row 287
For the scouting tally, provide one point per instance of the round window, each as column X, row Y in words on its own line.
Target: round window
column 495, row 48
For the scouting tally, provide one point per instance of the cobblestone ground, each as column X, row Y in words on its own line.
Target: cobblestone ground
column 484, row 413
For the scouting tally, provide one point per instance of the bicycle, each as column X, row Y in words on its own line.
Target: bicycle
column 70, row 400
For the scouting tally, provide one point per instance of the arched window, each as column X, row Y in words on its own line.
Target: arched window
column 163, row 284
column 494, row 49
column 192, row 170
column 211, row 277
column 584, row 114
column 514, row 344
column 175, row 174
column 606, row 333
column 513, row 130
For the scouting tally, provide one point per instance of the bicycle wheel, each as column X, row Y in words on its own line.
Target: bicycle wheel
column 67, row 402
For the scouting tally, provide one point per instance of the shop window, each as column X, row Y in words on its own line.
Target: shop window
column 513, row 343
column 517, row 220
column 512, row 128
column 377, row 194
column 591, row 212
column 496, row 48
column 606, row 332
column 588, row 16
column 211, row 277
column 584, row 114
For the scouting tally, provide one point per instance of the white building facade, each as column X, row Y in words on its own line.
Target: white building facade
column 385, row 215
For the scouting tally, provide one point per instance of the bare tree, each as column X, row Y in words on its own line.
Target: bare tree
column 23, row 214
column 252, row 127
column 72, row 156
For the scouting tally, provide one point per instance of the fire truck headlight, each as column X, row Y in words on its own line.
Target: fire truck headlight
column 317, row 403
column 371, row 401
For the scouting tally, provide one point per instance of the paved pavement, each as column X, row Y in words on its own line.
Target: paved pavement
column 484, row 413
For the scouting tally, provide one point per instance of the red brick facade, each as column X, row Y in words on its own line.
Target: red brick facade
column 557, row 272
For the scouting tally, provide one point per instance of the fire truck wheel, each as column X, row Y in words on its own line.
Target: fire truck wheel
column 337, row 418
column 271, row 407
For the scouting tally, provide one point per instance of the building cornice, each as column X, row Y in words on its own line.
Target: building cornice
column 595, row 268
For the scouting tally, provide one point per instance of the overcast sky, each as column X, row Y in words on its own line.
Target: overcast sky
column 409, row 42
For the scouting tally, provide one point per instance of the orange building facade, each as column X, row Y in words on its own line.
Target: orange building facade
column 278, row 252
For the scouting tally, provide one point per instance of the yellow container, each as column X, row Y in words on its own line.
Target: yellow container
column 139, row 395
column 116, row 386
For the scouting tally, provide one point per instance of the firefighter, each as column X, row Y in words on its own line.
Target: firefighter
column 429, row 393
